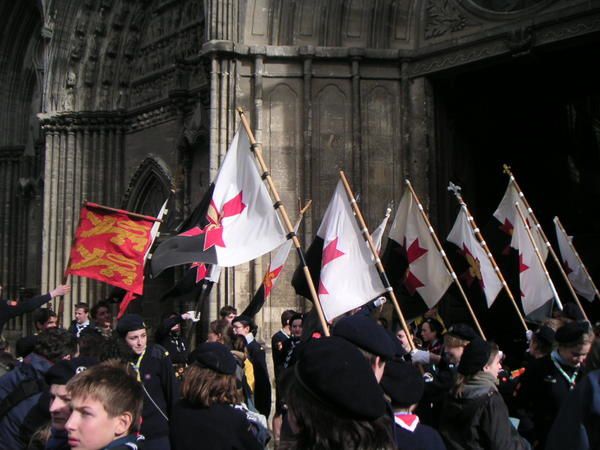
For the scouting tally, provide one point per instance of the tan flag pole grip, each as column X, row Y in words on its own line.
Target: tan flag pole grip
column 380, row 269
column 456, row 191
column 507, row 171
column 256, row 150
column 445, row 258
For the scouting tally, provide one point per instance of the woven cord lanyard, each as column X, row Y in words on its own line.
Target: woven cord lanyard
column 136, row 366
column 570, row 379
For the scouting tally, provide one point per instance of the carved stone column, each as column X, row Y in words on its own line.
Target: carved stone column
column 81, row 163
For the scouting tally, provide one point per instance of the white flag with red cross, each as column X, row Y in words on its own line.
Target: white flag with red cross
column 427, row 273
column 481, row 269
column 348, row 277
column 242, row 223
column 535, row 286
column 507, row 214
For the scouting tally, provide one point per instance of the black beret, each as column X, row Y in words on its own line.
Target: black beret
column 462, row 331
column 63, row 371
column 403, row 383
column 214, row 356
column 366, row 334
column 545, row 334
column 25, row 345
column 130, row 322
column 474, row 357
column 334, row 371
column 571, row 332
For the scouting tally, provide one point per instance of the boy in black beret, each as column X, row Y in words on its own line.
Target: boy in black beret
column 547, row 381
column 155, row 371
column 371, row 339
column 57, row 378
column 404, row 385
column 334, row 400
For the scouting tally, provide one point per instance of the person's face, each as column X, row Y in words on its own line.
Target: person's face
column 426, row 333
column 80, row 315
column 91, row 428
column 137, row 340
column 454, row 353
column 401, row 335
column 212, row 337
column 296, row 328
column 239, row 328
column 59, row 406
column 229, row 317
column 495, row 366
column 52, row 322
column 104, row 316
column 575, row 356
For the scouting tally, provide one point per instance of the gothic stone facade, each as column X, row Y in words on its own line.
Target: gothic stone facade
column 121, row 102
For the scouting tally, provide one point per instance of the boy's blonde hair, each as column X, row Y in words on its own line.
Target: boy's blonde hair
column 115, row 385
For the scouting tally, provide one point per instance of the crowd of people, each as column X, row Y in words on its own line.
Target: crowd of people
column 105, row 384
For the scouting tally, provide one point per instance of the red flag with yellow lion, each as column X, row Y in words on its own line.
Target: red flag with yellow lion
column 111, row 245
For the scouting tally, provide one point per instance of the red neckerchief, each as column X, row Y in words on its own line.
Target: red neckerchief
column 407, row 421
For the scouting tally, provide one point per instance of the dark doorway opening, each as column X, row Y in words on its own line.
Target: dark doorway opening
column 540, row 114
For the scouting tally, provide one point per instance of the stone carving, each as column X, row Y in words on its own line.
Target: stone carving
column 71, row 79
column 120, row 17
column 520, row 40
column 94, row 47
column 100, row 28
column 69, row 100
column 443, row 17
column 113, row 45
column 137, row 20
column 89, row 72
column 77, row 48
column 131, row 45
column 109, row 71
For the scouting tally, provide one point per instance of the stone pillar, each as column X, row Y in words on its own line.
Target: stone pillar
column 419, row 127
column 81, row 163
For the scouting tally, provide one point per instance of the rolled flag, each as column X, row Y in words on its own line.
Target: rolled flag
column 426, row 274
column 280, row 256
column 573, row 265
column 377, row 235
column 507, row 214
column 480, row 266
column 536, row 286
column 243, row 223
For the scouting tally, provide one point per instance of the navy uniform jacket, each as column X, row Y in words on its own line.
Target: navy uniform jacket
column 173, row 343
column 540, row 394
column 415, row 435
column 277, row 347
column 219, row 427
column 262, row 384
column 156, row 372
column 577, row 425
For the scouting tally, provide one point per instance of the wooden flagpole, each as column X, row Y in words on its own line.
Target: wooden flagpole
column 546, row 241
column 456, row 191
column 445, row 258
column 367, row 236
column 539, row 255
column 587, row 274
column 256, row 149
column 122, row 211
